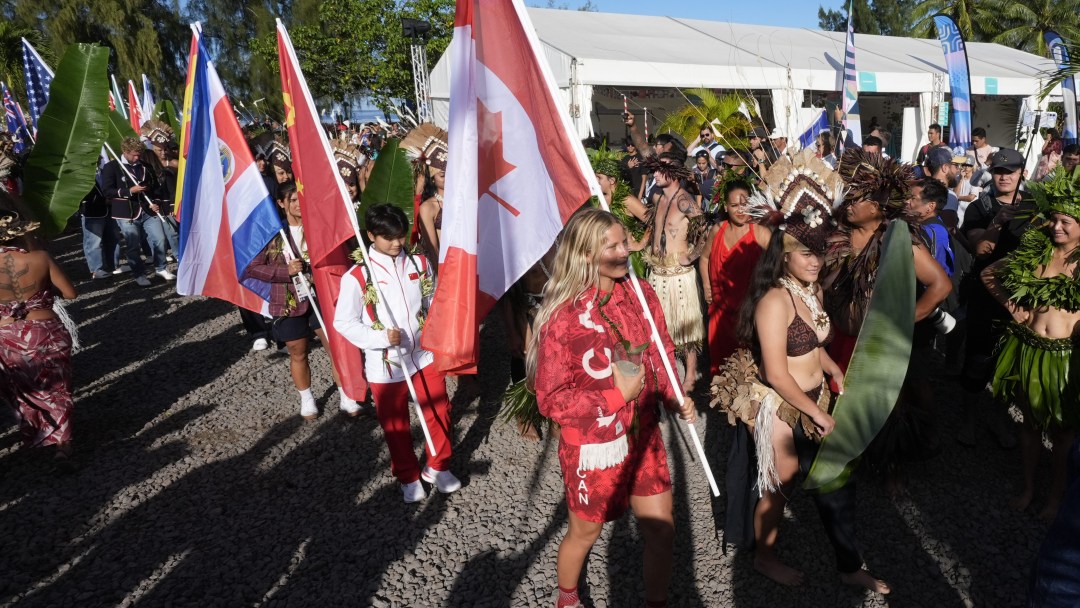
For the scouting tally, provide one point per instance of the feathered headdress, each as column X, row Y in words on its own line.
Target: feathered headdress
column 280, row 156
column 426, row 146
column 605, row 162
column 1058, row 193
column 799, row 197
column 159, row 133
column 11, row 227
column 669, row 166
column 873, row 177
column 348, row 158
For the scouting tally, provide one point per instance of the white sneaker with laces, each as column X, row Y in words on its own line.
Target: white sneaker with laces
column 308, row 409
column 444, row 481
column 414, row 492
column 260, row 344
column 165, row 274
column 142, row 281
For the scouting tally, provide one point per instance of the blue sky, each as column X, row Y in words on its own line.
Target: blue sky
column 790, row 13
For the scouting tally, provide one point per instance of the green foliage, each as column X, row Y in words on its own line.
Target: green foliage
column 705, row 106
column 520, row 406
column 61, row 168
column 884, row 17
column 878, row 366
column 146, row 36
column 358, row 46
column 1022, row 23
column 391, row 180
column 166, row 112
column 118, row 128
column 11, row 64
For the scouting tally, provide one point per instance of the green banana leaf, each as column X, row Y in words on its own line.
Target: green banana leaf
column 391, row 180
column 165, row 111
column 61, row 168
column 119, row 128
column 878, row 365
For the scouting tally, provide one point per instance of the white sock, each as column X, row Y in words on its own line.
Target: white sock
column 305, row 395
column 341, row 393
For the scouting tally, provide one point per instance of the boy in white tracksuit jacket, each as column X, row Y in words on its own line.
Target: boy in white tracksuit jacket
column 391, row 325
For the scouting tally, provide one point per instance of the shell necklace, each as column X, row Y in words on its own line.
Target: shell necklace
column 808, row 297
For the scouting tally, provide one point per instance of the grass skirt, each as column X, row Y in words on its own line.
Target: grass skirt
column 676, row 288
column 1041, row 372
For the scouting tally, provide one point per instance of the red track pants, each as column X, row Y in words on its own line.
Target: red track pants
column 392, row 408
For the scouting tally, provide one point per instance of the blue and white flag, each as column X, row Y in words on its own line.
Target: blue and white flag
column 820, row 124
column 1060, row 55
column 16, row 122
column 147, row 100
column 38, row 78
column 852, row 122
column 952, row 43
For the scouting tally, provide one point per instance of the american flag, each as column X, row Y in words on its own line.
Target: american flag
column 38, row 78
column 16, row 122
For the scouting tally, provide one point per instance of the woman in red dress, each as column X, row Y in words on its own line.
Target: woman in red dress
column 734, row 247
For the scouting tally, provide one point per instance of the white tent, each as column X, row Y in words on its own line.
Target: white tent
column 597, row 58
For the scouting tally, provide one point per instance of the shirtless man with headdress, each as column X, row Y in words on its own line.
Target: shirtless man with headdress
column 676, row 234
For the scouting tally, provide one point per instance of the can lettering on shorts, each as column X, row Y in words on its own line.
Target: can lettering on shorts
column 582, row 489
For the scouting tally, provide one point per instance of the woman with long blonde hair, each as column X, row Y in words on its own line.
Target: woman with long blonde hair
column 598, row 375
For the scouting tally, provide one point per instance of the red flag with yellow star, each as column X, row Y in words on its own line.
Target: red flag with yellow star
column 327, row 214
column 515, row 173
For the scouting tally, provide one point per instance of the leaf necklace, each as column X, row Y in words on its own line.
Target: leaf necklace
column 808, row 295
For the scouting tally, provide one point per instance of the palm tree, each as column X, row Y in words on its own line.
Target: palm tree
column 976, row 22
column 11, row 65
column 724, row 113
column 1023, row 23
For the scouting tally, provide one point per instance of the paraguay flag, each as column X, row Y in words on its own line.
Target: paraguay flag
column 227, row 215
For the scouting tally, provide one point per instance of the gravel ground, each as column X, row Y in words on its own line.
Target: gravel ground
column 198, row 484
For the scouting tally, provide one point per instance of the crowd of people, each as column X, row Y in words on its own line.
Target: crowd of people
column 759, row 264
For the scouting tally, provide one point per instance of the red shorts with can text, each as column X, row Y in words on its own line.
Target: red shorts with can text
column 603, row 495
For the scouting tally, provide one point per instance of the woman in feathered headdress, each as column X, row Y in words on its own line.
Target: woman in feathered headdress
column 775, row 390
column 1037, row 363
column 426, row 146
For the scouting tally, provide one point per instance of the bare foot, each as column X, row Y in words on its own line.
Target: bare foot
column 862, row 578
column 528, row 432
column 778, row 571
column 1022, row 501
column 1050, row 511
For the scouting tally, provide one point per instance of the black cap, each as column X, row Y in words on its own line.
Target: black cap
column 938, row 157
column 760, row 132
column 1006, row 158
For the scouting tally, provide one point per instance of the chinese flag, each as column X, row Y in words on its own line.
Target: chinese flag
column 327, row 214
column 515, row 173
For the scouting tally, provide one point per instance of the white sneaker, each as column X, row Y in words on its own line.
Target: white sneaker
column 308, row 409
column 349, row 406
column 260, row 344
column 142, row 281
column 414, row 492
column 165, row 274
column 444, row 481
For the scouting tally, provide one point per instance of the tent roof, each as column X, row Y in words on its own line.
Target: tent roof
column 650, row 51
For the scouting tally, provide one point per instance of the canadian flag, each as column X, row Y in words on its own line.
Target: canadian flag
column 135, row 111
column 514, row 174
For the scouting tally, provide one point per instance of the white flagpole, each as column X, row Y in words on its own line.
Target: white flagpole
column 120, row 162
column 594, row 186
column 351, row 214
